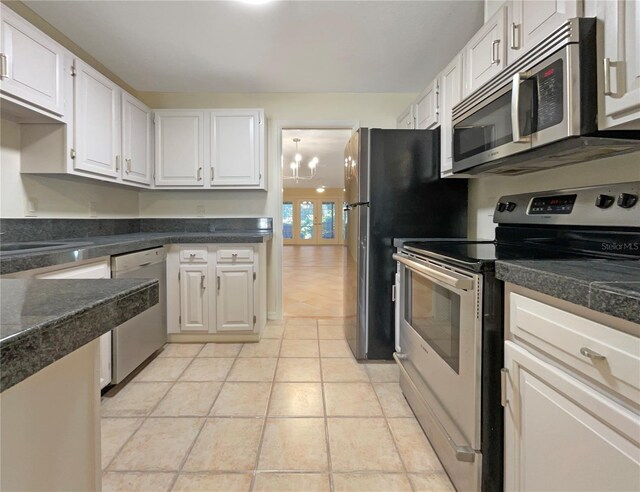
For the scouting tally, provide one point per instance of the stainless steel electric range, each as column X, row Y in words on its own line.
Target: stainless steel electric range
column 449, row 314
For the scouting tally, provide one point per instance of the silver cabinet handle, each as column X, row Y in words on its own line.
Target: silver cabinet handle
column 607, row 77
column 202, row 286
column 218, row 282
column 515, row 109
column 200, row 174
column 495, row 56
column 587, row 352
column 128, row 168
column 515, row 36
column 117, row 163
column 504, row 372
column 4, row 73
column 192, row 255
column 213, row 172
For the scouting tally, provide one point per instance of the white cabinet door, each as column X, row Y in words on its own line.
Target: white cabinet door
column 562, row 435
column 406, row 121
column 235, row 298
column 235, row 147
column 450, row 95
column 98, row 269
column 97, row 122
column 427, row 111
column 32, row 64
column 136, row 140
column 620, row 68
column 485, row 54
column 179, row 148
column 533, row 20
column 193, row 298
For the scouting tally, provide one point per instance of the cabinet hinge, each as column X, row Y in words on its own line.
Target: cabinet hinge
column 73, row 71
column 254, row 275
column 254, row 320
column 72, row 153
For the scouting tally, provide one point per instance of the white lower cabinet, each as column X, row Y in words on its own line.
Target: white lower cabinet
column 193, row 298
column 234, row 297
column 216, row 292
column 571, row 401
column 100, row 268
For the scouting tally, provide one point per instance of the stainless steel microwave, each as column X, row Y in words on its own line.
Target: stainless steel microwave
column 540, row 112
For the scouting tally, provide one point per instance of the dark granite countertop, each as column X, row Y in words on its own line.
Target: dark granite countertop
column 607, row 286
column 41, row 321
column 95, row 247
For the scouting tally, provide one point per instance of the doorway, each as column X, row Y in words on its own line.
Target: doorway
column 312, row 221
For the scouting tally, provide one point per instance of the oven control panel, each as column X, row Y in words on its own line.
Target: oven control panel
column 606, row 205
column 557, row 204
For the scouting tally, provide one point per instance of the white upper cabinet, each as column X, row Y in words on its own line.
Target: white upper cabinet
column 427, row 110
column 406, row 121
column 533, row 20
column 450, row 95
column 236, row 148
column 179, row 148
column 31, row 64
column 136, row 140
column 97, row 122
column 485, row 54
column 619, row 68
column 235, row 298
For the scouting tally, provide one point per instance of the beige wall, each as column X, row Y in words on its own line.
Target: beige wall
column 484, row 192
column 56, row 196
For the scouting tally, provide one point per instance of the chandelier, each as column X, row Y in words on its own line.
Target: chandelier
column 296, row 164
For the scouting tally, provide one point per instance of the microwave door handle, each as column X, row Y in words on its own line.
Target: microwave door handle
column 515, row 109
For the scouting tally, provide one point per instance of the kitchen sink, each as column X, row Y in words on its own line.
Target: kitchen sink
column 27, row 247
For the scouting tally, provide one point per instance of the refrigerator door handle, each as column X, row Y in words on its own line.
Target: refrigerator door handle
column 351, row 206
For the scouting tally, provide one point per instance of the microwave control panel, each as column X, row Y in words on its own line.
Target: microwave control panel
column 558, row 204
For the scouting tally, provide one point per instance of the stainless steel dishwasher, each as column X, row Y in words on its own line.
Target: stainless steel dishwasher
column 135, row 340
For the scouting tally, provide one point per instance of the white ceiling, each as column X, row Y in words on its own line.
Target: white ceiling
column 282, row 46
column 327, row 145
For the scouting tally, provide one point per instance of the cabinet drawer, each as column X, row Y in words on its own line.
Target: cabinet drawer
column 235, row 255
column 193, row 255
column 603, row 354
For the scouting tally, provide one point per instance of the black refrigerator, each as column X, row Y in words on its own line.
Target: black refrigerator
column 393, row 190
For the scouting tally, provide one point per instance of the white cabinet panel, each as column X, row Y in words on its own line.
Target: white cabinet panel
column 98, row 269
column 406, row 121
column 136, row 140
column 450, row 95
column 32, row 64
column 562, row 435
column 179, row 148
column 485, row 54
column 533, row 20
column 620, row 66
column 235, row 147
column 97, row 122
column 427, row 110
column 235, row 298
column 193, row 300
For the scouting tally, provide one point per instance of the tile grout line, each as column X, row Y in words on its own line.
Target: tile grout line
column 326, row 417
column 264, row 422
column 204, row 419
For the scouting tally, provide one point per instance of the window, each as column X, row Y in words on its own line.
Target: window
column 287, row 220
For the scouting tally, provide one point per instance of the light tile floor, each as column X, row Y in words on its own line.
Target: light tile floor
column 294, row 412
column 312, row 280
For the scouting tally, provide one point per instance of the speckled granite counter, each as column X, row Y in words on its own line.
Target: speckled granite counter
column 95, row 247
column 41, row 321
column 607, row 286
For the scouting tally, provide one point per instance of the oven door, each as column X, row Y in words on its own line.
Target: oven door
column 440, row 339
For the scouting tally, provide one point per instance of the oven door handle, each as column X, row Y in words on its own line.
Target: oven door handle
column 462, row 453
column 434, row 272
